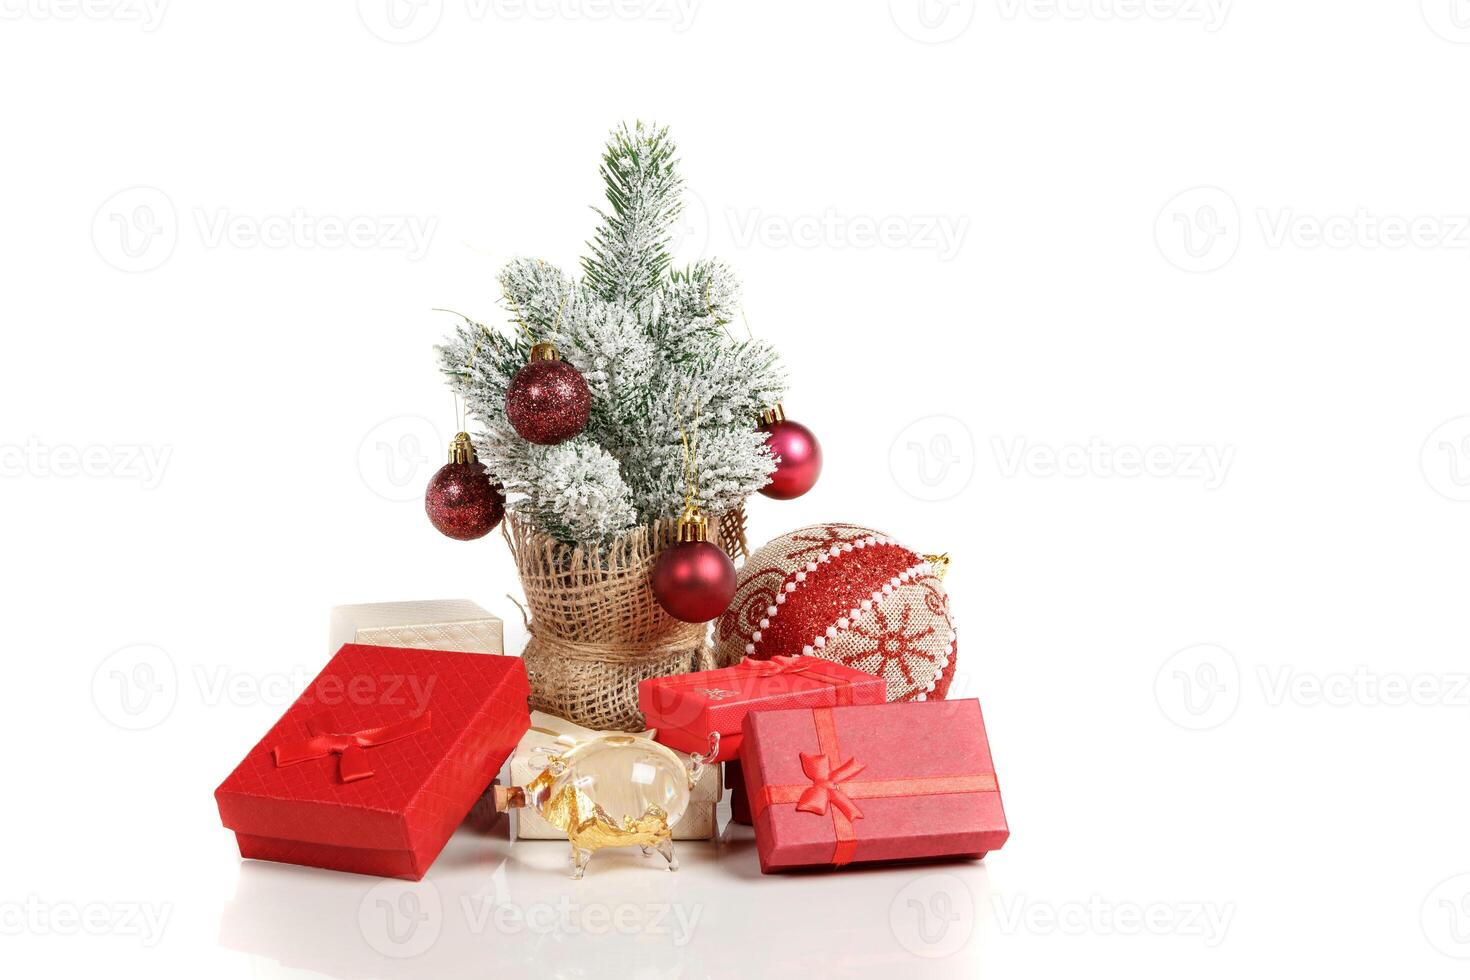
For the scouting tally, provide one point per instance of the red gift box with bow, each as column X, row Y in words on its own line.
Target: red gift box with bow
column 687, row 708
column 906, row 781
column 378, row 761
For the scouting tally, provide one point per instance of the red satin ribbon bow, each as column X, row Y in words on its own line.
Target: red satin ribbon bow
column 826, row 787
column 777, row 665
column 833, row 789
column 349, row 745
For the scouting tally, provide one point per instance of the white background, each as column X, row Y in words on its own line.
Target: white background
column 1227, row 700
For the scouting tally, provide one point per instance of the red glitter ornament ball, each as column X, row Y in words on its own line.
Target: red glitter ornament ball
column 798, row 456
column 694, row 580
column 462, row 499
column 851, row 595
column 547, row 401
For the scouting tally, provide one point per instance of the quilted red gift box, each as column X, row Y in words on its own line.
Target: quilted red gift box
column 889, row 782
column 378, row 761
column 687, row 708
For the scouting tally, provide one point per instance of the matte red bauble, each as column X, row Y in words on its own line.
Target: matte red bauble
column 798, row 456
column 694, row 580
column 547, row 401
column 462, row 500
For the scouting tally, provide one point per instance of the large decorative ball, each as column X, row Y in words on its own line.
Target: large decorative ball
column 694, row 581
column 463, row 501
column 798, row 459
column 548, row 402
column 848, row 594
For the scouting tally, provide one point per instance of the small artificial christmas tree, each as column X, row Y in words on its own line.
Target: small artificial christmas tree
column 653, row 345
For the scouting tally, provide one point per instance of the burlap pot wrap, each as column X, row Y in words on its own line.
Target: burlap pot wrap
column 596, row 628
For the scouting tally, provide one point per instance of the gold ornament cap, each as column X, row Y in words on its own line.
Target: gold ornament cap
column 693, row 525
column 461, row 450
column 544, row 352
column 773, row 415
column 939, row 564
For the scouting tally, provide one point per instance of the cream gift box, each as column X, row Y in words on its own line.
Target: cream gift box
column 551, row 733
column 434, row 624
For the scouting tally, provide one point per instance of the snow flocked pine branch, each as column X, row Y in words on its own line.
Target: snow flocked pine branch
column 654, row 345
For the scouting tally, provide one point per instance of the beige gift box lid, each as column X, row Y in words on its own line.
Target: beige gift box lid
column 430, row 624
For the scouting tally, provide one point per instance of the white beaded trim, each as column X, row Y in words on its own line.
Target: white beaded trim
column 943, row 664
column 836, row 550
column 902, row 578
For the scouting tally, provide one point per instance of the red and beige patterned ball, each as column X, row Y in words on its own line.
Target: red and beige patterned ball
column 847, row 594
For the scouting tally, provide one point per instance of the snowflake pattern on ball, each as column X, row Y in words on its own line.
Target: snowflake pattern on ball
column 850, row 595
column 892, row 646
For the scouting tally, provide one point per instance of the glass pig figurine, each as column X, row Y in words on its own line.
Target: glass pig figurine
column 611, row 791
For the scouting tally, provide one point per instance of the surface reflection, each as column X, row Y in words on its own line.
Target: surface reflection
column 490, row 908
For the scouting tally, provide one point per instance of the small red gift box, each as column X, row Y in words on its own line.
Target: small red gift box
column 378, row 760
column 688, row 708
column 890, row 782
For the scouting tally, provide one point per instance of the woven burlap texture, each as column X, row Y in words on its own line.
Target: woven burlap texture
column 596, row 628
